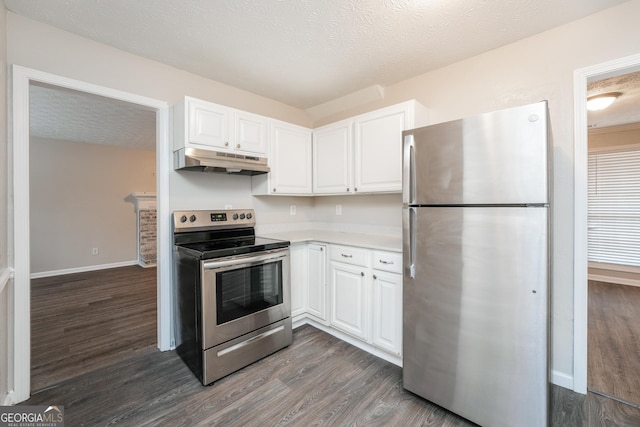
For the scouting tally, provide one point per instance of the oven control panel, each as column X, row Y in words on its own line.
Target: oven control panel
column 208, row 220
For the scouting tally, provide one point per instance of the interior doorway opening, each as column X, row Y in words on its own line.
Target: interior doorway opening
column 581, row 78
column 22, row 78
column 614, row 240
column 91, row 304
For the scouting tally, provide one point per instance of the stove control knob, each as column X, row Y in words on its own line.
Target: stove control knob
column 249, row 216
column 183, row 218
column 241, row 216
column 235, row 216
column 192, row 218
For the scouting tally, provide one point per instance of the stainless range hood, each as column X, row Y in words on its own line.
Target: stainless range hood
column 218, row 161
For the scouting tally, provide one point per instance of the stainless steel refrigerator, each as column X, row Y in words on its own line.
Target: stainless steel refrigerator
column 476, row 265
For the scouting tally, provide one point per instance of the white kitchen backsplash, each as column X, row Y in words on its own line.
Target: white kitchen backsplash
column 380, row 230
column 283, row 227
column 330, row 226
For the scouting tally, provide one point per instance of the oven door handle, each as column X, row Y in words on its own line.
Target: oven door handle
column 247, row 260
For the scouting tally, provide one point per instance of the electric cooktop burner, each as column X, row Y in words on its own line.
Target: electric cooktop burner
column 216, row 234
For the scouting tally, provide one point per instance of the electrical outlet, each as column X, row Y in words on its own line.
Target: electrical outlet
column 94, row 251
column 338, row 209
column 292, row 210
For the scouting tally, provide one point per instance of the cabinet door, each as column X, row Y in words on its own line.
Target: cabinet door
column 349, row 299
column 387, row 311
column 250, row 133
column 332, row 159
column 378, row 150
column 290, row 159
column 208, row 124
column 299, row 275
column 316, row 302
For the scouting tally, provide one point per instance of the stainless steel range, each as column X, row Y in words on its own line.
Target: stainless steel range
column 233, row 292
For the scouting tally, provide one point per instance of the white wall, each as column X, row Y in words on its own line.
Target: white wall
column 537, row 68
column 80, row 199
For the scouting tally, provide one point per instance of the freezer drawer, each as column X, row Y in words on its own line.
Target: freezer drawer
column 476, row 311
column 494, row 158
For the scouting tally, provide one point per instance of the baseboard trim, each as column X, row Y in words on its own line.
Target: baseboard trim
column 614, row 267
column 561, row 379
column 5, row 276
column 8, row 399
column 83, row 269
column 613, row 279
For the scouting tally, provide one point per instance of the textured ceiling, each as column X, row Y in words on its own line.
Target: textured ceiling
column 626, row 108
column 56, row 113
column 306, row 52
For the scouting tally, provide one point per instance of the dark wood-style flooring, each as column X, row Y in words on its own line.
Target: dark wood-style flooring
column 614, row 341
column 81, row 322
column 319, row 380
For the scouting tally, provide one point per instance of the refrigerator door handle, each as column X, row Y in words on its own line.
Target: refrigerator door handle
column 410, row 265
column 408, row 171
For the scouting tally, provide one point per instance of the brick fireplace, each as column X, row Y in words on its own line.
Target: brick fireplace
column 146, row 208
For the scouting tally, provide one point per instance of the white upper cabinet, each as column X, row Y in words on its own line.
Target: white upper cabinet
column 205, row 125
column 208, row 124
column 332, row 158
column 364, row 154
column 250, row 132
column 378, row 149
column 289, row 160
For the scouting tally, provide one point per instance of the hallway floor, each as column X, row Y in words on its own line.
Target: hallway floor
column 83, row 321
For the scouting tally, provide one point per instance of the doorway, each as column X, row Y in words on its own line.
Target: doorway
column 614, row 240
column 22, row 77
column 581, row 78
column 92, row 303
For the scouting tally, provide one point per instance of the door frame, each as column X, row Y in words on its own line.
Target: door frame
column 20, row 354
column 580, row 289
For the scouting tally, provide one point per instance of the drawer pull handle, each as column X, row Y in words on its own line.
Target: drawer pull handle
column 385, row 262
column 347, row 256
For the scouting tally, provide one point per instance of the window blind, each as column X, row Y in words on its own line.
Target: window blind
column 614, row 208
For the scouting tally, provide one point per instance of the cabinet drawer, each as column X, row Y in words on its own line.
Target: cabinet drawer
column 350, row 255
column 387, row 261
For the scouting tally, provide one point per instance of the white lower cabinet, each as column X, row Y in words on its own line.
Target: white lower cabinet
column 308, row 272
column 317, row 284
column 387, row 311
column 366, row 295
column 353, row 290
column 298, row 279
column 349, row 299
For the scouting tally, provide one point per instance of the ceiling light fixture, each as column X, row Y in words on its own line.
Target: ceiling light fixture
column 602, row 101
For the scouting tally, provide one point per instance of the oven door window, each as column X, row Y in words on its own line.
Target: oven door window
column 244, row 291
